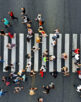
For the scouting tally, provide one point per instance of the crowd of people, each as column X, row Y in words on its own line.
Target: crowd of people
column 21, row 76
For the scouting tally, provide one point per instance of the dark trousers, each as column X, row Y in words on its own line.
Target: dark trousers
column 13, row 17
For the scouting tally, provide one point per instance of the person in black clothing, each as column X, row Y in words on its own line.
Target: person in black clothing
column 54, row 74
column 22, row 11
column 11, row 14
column 40, row 99
column 46, row 89
column 8, row 67
column 2, row 32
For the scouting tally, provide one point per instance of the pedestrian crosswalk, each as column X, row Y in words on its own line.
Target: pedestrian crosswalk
column 46, row 44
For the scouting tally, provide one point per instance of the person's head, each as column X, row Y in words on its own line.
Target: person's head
column 17, row 90
column 22, row 87
column 22, row 8
column 47, row 86
column 7, row 45
column 2, row 20
column 9, row 12
column 40, row 28
column 65, row 56
column 28, row 25
column 40, row 99
column 57, row 30
column 39, row 15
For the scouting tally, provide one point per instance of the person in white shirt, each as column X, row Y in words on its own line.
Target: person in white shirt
column 78, row 88
column 43, row 67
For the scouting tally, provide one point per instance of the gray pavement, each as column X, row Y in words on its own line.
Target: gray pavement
column 62, row 14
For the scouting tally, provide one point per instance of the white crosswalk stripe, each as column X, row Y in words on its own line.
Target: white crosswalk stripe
column 51, row 67
column 5, row 56
column 13, row 54
column 36, row 53
column 21, row 52
column 28, row 52
column 74, row 46
column 67, row 50
column 43, row 49
column 59, row 47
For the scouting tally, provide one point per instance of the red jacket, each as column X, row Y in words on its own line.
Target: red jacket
column 79, row 72
column 11, row 13
column 10, row 35
column 41, row 73
column 77, row 51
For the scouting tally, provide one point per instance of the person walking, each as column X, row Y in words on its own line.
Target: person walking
column 6, row 22
column 11, row 14
column 10, row 46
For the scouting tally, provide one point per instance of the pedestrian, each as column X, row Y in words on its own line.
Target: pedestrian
column 28, row 56
column 43, row 67
column 30, row 31
column 51, row 85
column 28, row 38
column 8, row 68
column 57, row 31
column 24, row 78
column 6, row 22
column 79, row 73
column 41, row 73
column 77, row 58
column 46, row 89
column 52, row 58
column 40, row 99
column 76, row 51
column 10, row 46
column 11, row 35
column 25, row 19
column 56, row 34
column 18, row 89
column 45, row 53
column 32, row 91
column 32, row 73
column 37, row 39
column 54, row 42
column 39, row 19
column 34, row 49
column 40, row 30
column 65, row 71
column 1, row 60
column 2, row 92
column 4, row 79
column 22, row 11
column 45, row 58
column 11, row 14
column 64, row 56
column 54, row 73
column 28, row 66
column 2, row 33
column 78, row 88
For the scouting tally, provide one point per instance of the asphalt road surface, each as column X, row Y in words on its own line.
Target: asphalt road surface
column 62, row 14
